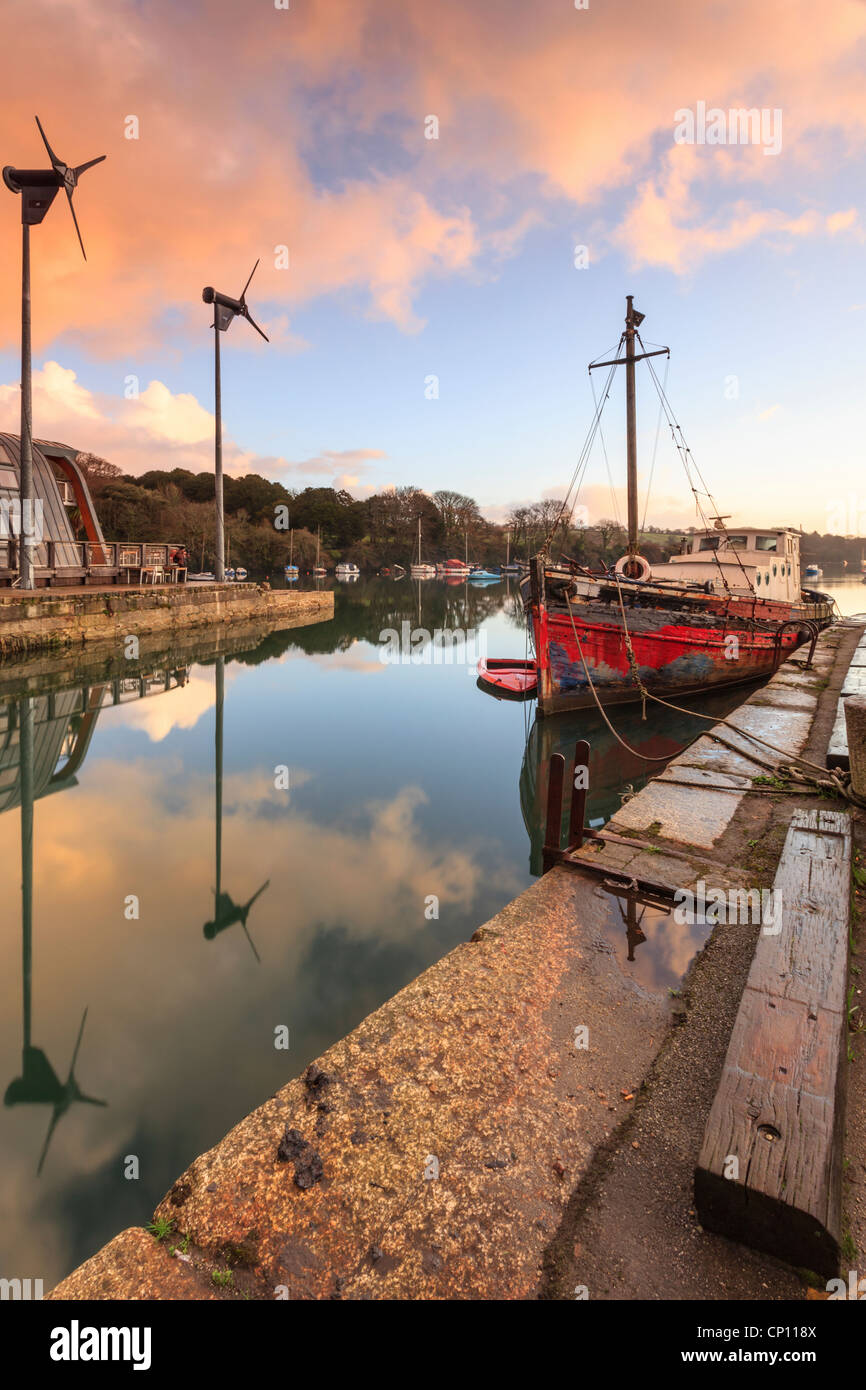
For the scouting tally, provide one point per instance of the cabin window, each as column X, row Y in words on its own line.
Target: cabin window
column 758, row 577
column 710, row 542
column 766, row 542
column 738, row 543
column 767, row 577
column 775, row 571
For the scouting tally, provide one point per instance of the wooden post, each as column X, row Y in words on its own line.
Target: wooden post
column 855, row 723
column 577, row 819
column 553, row 824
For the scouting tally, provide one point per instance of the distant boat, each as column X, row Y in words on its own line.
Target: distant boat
column 240, row 573
column 453, row 569
column 229, row 573
column 812, row 572
column 508, row 567
column 398, row 572
column 419, row 570
column 508, row 678
column 291, row 569
column 319, row 570
column 204, row 577
column 347, row 571
column 484, row 574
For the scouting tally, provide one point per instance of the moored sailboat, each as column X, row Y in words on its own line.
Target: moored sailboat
column 725, row 611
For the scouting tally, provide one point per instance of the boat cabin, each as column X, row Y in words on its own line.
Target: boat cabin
column 766, row 559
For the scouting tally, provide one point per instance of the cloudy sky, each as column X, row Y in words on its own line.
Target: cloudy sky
column 300, row 135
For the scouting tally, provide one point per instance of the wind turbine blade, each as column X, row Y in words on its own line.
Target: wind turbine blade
column 58, row 163
column 247, row 285
column 89, row 165
column 44, row 1154
column 248, row 316
column 252, row 944
column 77, row 1045
column 75, row 220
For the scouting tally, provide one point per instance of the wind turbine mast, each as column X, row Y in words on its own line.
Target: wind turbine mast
column 38, row 189
column 226, row 310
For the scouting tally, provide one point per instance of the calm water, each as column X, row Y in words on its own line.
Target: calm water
column 405, row 781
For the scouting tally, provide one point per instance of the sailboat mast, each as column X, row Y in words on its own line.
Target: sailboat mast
column 631, row 423
column 419, row 538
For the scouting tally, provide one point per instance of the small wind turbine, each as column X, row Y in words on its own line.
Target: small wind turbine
column 225, row 310
column 38, row 189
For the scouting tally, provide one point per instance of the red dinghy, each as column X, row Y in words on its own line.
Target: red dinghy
column 508, row 678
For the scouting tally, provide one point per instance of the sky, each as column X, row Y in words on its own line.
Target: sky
column 449, row 204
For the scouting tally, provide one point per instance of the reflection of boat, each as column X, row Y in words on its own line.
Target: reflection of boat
column 398, row 572
column 612, row 768
column 725, row 611
column 509, row 678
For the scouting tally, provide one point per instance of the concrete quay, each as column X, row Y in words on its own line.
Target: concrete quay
column 53, row 620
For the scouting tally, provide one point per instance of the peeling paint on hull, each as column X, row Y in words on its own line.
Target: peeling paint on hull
column 674, row 659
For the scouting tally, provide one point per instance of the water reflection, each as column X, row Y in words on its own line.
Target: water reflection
column 226, row 912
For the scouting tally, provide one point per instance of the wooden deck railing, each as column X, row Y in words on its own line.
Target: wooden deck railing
column 121, row 562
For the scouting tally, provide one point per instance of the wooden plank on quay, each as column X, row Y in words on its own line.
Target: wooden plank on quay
column 837, row 749
column 769, row 1172
column 855, row 681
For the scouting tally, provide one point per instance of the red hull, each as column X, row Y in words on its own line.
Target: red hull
column 674, row 658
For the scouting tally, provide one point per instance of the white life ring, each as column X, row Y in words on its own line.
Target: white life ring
column 646, row 568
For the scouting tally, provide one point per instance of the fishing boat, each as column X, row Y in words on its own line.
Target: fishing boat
column 726, row 610
column 420, row 570
column 508, row 678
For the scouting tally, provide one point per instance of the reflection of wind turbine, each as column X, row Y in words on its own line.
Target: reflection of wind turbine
column 226, row 911
column 38, row 1084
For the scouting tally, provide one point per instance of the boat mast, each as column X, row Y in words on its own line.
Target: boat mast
column 632, row 320
column 419, row 538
